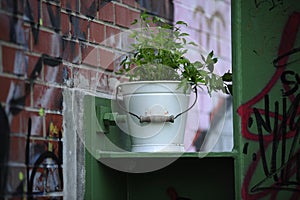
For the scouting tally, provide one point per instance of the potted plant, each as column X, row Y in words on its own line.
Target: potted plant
column 161, row 78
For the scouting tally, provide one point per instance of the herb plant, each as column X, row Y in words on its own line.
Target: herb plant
column 159, row 54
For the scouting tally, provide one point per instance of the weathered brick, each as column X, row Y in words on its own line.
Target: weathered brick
column 82, row 77
column 65, row 24
column 15, row 61
column 48, row 43
column 5, row 85
column 5, row 27
column 67, row 76
column 17, row 177
column 71, row 51
column 37, row 126
column 89, row 8
column 70, row 5
column 96, row 32
column 16, row 89
column 32, row 62
column 107, row 12
column 8, row 55
column 54, row 125
column 31, row 11
column 17, row 149
column 49, row 98
column 79, row 28
column 102, row 82
column 13, row 6
column 51, row 16
column 19, row 123
column 131, row 3
column 90, row 55
column 53, row 74
column 37, row 147
column 113, row 37
column 125, row 16
column 107, row 59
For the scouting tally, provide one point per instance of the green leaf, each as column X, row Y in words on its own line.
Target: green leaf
column 134, row 21
column 227, row 77
column 182, row 23
column 193, row 43
column 184, row 34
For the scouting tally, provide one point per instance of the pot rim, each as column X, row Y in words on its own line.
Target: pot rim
column 149, row 82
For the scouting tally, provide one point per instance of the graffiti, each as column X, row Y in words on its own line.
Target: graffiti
column 277, row 126
column 216, row 18
column 279, row 135
column 272, row 3
column 46, row 179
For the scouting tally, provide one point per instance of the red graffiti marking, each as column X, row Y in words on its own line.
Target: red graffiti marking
column 287, row 42
column 260, row 190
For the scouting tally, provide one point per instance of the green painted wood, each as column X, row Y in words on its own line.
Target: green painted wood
column 102, row 182
column 262, row 31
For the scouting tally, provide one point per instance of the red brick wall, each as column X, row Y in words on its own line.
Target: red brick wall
column 44, row 46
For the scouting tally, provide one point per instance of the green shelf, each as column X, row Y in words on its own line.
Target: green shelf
column 107, row 154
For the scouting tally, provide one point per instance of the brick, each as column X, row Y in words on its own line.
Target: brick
column 32, row 61
column 19, row 123
column 15, row 61
column 90, row 55
column 32, row 11
column 129, row 2
column 79, row 28
column 49, row 98
column 54, row 125
column 8, row 55
column 89, row 8
column 5, row 85
column 102, row 82
column 13, row 6
column 14, row 179
column 37, row 125
column 5, row 27
column 70, row 5
column 113, row 37
column 17, row 149
column 53, row 74
column 96, row 32
column 53, row 146
column 125, row 16
column 65, row 24
column 107, row 12
column 48, row 43
column 107, row 59
column 37, row 147
column 13, row 89
column 49, row 11
column 71, row 51
column 82, row 77
column 67, row 76
column 19, row 32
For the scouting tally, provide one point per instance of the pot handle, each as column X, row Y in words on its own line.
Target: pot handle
column 157, row 118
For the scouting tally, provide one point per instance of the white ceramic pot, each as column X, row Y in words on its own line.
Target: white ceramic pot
column 155, row 104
